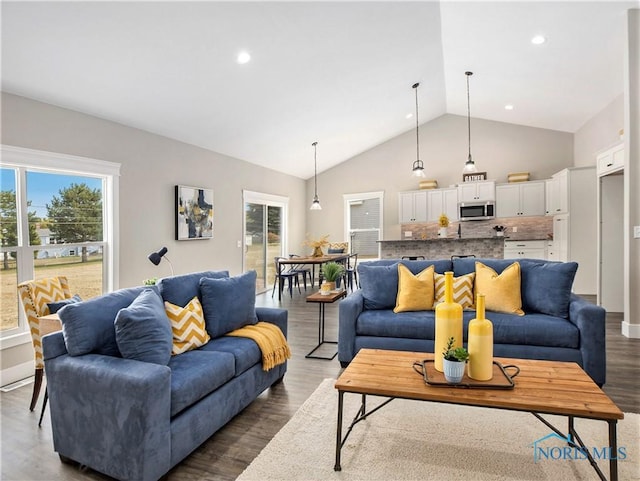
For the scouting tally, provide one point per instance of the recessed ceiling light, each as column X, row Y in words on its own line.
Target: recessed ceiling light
column 538, row 40
column 508, row 107
column 243, row 57
column 408, row 116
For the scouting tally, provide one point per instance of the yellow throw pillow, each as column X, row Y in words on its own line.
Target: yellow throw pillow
column 187, row 324
column 502, row 292
column 415, row 293
column 462, row 289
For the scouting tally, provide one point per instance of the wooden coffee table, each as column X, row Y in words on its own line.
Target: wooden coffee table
column 541, row 387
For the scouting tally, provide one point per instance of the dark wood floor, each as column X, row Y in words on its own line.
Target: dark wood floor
column 27, row 451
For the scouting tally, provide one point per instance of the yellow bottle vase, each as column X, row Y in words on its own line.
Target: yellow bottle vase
column 448, row 322
column 480, row 345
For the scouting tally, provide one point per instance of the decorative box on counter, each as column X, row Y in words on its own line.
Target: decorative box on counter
column 428, row 184
column 518, row 177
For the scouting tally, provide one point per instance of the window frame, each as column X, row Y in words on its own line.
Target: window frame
column 22, row 160
column 267, row 200
column 347, row 199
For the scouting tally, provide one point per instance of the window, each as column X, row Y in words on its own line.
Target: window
column 363, row 223
column 57, row 216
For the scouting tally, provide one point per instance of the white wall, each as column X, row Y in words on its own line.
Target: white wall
column 599, row 132
column 151, row 167
column 497, row 148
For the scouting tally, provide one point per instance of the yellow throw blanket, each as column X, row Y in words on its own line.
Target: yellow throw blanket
column 270, row 340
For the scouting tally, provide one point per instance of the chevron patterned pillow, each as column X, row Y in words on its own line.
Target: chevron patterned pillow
column 187, row 324
column 45, row 291
column 462, row 289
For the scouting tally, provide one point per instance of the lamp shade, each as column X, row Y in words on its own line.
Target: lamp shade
column 315, row 205
column 470, row 165
column 156, row 257
column 418, row 166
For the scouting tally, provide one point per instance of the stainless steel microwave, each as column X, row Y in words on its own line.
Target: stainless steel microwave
column 476, row 210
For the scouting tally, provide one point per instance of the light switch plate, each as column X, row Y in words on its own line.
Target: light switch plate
column 515, row 229
column 408, row 233
column 636, row 231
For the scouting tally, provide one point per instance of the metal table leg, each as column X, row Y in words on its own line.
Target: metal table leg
column 321, row 339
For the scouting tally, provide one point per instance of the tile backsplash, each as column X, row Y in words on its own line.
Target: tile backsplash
column 528, row 228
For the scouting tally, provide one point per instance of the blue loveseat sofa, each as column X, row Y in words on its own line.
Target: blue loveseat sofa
column 136, row 420
column 557, row 325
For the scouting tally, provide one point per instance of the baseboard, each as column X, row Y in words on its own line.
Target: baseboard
column 16, row 373
column 630, row 330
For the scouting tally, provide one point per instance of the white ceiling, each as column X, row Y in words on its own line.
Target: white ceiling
column 336, row 72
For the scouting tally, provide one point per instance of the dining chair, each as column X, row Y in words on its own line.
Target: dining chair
column 35, row 296
column 351, row 272
column 301, row 269
column 281, row 275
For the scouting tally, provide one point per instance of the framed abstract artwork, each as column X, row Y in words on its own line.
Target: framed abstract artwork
column 194, row 213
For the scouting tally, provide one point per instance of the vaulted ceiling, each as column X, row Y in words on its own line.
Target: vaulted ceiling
column 339, row 73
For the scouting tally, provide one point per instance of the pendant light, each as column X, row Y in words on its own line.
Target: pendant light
column 315, row 205
column 418, row 166
column 469, row 166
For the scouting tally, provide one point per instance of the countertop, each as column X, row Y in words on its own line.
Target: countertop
column 447, row 239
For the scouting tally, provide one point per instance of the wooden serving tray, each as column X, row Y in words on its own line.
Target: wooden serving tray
column 501, row 378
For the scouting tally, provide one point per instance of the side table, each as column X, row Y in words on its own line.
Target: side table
column 322, row 301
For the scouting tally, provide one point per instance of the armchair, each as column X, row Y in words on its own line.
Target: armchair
column 35, row 296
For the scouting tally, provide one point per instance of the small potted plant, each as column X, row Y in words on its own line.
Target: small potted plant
column 455, row 360
column 331, row 272
column 499, row 230
column 443, row 222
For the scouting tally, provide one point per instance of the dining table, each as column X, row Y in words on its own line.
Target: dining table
column 313, row 261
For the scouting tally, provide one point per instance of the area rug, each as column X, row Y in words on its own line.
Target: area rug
column 413, row 440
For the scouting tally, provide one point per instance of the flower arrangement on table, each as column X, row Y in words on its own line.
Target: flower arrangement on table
column 317, row 245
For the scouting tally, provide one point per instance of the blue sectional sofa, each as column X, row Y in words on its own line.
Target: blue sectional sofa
column 557, row 325
column 135, row 420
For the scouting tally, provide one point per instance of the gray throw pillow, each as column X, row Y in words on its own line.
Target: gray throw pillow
column 87, row 326
column 228, row 303
column 143, row 330
column 54, row 307
column 546, row 286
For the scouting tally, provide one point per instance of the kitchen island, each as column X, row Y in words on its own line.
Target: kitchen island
column 443, row 248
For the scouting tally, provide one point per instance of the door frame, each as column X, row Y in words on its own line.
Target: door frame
column 268, row 200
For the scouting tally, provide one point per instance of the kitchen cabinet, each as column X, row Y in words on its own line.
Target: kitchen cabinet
column 477, row 191
column 442, row 201
column 610, row 160
column 551, row 253
column 533, row 249
column 575, row 230
column 520, row 199
column 557, row 193
column 413, row 206
column 561, row 237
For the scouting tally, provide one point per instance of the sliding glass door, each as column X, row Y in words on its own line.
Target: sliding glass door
column 264, row 235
